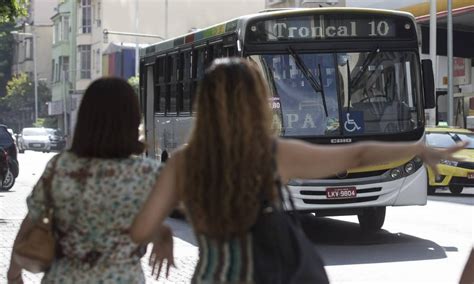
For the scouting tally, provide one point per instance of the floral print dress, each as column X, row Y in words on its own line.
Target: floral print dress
column 95, row 201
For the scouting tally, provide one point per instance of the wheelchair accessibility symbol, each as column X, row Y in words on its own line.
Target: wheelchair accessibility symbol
column 354, row 122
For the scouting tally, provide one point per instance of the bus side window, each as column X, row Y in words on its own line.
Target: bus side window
column 170, row 79
column 201, row 63
column 194, row 74
column 160, row 85
column 186, row 81
column 180, row 83
column 156, row 86
column 217, row 50
column 209, row 55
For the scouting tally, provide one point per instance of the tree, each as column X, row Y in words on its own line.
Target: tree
column 6, row 54
column 12, row 9
column 135, row 83
column 19, row 103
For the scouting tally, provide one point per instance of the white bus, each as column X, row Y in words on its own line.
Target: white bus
column 337, row 75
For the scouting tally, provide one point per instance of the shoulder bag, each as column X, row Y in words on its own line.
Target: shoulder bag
column 281, row 251
column 36, row 252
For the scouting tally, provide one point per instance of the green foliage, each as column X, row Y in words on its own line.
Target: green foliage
column 19, row 103
column 12, row 9
column 135, row 83
column 6, row 54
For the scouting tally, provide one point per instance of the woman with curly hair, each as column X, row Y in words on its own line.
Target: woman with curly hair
column 228, row 162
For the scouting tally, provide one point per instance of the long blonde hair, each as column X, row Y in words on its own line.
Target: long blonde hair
column 229, row 155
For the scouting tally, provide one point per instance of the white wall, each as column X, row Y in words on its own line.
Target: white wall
column 182, row 15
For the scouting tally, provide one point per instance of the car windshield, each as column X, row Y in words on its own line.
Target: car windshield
column 440, row 140
column 469, row 138
column 35, row 132
column 341, row 94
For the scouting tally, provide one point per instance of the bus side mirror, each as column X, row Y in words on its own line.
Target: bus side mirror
column 428, row 83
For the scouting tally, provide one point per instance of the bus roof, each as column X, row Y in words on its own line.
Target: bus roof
column 235, row 24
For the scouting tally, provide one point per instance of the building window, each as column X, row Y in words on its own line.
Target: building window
column 64, row 62
column 65, row 28
column 86, row 6
column 52, row 71
column 56, row 31
column 85, row 61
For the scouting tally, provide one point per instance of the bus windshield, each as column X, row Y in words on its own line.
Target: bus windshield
column 357, row 93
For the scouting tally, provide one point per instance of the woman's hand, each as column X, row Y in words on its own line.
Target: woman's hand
column 432, row 156
column 162, row 250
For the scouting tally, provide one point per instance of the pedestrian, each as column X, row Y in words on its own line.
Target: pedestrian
column 228, row 162
column 97, row 188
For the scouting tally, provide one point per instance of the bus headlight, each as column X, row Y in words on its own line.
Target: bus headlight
column 409, row 168
column 449, row 163
column 396, row 173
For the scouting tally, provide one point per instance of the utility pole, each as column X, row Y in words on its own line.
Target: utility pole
column 166, row 18
column 137, row 60
column 450, row 63
column 433, row 55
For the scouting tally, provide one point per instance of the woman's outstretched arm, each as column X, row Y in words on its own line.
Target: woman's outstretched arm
column 161, row 201
column 297, row 159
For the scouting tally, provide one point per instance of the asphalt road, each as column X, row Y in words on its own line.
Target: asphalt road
column 418, row 244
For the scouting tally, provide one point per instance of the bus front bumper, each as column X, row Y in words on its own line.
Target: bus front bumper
column 310, row 195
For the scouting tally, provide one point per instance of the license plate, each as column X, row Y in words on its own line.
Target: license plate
column 341, row 192
column 470, row 175
column 36, row 145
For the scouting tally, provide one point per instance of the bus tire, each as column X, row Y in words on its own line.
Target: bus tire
column 372, row 219
column 455, row 189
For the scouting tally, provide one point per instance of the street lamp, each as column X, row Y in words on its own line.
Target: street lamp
column 35, row 75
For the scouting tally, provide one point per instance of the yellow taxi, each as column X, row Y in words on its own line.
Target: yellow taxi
column 452, row 174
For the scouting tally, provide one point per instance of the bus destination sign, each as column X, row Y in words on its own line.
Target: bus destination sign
column 325, row 27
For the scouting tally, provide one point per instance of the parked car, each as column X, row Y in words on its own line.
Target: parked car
column 34, row 138
column 452, row 174
column 9, row 163
column 57, row 139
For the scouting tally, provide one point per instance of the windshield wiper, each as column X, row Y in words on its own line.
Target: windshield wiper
column 318, row 88
column 365, row 64
column 348, row 85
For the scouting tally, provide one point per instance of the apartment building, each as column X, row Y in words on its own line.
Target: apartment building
column 81, row 51
column 38, row 25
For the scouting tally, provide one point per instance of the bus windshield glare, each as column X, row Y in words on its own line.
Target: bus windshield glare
column 357, row 93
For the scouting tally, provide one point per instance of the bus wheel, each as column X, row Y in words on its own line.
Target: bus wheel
column 372, row 219
column 431, row 190
column 455, row 189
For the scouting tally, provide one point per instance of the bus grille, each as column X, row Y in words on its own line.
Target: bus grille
column 363, row 190
column 340, row 201
column 360, row 175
